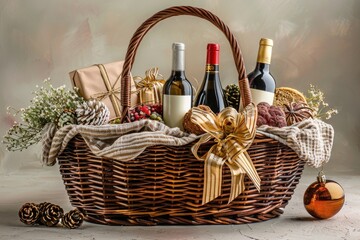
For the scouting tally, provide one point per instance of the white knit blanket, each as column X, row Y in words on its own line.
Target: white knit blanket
column 312, row 140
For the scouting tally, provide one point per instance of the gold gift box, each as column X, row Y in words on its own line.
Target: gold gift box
column 150, row 88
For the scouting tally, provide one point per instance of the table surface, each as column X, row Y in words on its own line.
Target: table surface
column 34, row 183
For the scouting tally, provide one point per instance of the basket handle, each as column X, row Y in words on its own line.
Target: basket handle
column 170, row 12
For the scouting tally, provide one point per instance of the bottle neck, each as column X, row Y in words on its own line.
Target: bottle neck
column 178, row 74
column 263, row 67
column 212, row 57
column 264, row 54
column 211, row 68
column 212, row 77
column 178, row 63
column 212, row 61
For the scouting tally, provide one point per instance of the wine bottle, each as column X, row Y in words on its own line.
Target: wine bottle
column 211, row 92
column 262, row 83
column 177, row 90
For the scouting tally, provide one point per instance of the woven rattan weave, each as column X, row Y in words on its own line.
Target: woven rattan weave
column 164, row 185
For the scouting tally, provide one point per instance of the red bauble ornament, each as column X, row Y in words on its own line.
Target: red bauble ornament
column 324, row 198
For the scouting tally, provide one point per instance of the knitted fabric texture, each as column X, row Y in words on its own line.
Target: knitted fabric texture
column 312, row 140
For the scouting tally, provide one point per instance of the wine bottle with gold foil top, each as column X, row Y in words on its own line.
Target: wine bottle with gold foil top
column 177, row 90
column 262, row 83
column 211, row 92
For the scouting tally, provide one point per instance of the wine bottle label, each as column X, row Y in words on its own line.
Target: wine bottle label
column 259, row 96
column 174, row 109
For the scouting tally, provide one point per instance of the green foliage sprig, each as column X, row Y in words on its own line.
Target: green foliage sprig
column 48, row 105
column 316, row 100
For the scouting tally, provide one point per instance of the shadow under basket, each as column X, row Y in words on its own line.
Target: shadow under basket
column 164, row 186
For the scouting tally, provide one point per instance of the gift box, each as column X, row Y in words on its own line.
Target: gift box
column 103, row 82
column 150, row 87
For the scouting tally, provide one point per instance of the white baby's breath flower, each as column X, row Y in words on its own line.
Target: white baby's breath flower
column 46, row 106
column 316, row 100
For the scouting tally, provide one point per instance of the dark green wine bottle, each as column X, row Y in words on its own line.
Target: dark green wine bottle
column 211, row 92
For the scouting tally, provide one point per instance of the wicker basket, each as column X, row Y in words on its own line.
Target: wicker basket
column 164, row 185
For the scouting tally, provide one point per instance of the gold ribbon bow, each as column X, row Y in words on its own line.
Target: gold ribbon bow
column 233, row 133
column 150, row 87
column 112, row 92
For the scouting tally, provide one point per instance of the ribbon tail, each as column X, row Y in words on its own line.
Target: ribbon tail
column 237, row 186
column 212, row 176
column 239, row 167
column 237, row 180
column 245, row 163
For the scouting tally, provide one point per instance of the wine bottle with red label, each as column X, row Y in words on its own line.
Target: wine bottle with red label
column 211, row 92
column 262, row 83
column 177, row 90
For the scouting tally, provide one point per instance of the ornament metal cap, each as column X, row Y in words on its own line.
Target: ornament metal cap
column 321, row 178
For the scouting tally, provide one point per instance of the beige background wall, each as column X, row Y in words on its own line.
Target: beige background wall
column 315, row 42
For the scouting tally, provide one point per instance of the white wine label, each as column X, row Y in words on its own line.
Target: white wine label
column 259, row 96
column 174, row 109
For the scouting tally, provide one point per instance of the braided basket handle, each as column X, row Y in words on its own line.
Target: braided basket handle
column 170, row 12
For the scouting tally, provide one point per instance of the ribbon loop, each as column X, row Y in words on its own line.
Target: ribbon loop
column 233, row 134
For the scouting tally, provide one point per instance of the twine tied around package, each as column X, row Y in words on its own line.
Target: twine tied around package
column 112, row 92
column 150, row 87
column 233, row 134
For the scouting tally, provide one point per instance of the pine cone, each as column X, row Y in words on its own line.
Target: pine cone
column 29, row 213
column 50, row 214
column 232, row 94
column 73, row 219
column 66, row 118
column 92, row 112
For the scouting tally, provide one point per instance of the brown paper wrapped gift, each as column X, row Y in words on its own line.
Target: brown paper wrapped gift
column 102, row 82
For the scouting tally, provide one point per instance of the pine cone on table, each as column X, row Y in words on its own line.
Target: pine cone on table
column 72, row 219
column 232, row 94
column 29, row 213
column 92, row 112
column 50, row 214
